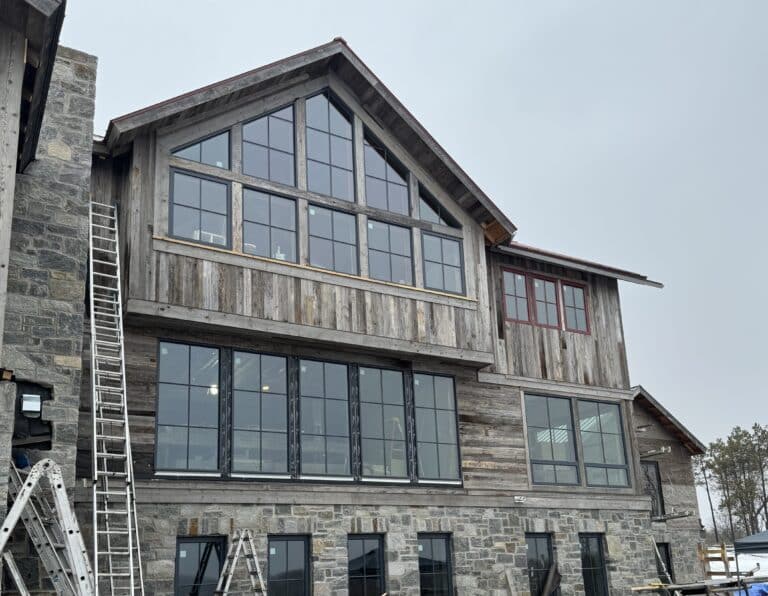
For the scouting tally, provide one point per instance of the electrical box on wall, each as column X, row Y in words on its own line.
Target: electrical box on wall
column 29, row 428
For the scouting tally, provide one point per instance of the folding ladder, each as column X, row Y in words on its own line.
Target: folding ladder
column 116, row 553
column 40, row 501
column 242, row 541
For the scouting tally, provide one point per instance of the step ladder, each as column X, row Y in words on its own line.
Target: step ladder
column 241, row 542
column 116, row 552
column 41, row 503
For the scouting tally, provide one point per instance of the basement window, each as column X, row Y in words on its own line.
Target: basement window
column 199, row 209
column 330, row 169
column 365, row 554
column 198, row 564
column 268, row 149
column 212, row 151
column 435, row 564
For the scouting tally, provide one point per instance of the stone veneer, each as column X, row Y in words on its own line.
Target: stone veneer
column 48, row 263
column 488, row 543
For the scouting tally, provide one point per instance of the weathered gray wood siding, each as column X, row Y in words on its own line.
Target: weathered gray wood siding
column 525, row 350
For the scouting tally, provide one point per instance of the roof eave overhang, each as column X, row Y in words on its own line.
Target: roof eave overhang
column 578, row 265
column 336, row 54
column 669, row 422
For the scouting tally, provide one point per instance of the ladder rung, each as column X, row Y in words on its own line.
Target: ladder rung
column 111, row 473
column 110, row 228
column 111, row 512
column 102, row 420
column 95, row 237
column 109, row 438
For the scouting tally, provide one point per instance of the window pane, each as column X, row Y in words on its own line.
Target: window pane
column 255, row 161
column 425, row 425
column 320, row 222
column 344, row 229
column 318, row 177
column 539, row 443
column 283, row 212
column 172, row 404
column 255, row 206
column 247, row 410
column 317, row 112
column 312, row 455
column 174, row 363
column 444, row 393
column 321, row 253
column 336, row 380
column 186, row 222
column 256, row 131
column 432, row 248
column 171, row 448
column 342, row 184
column 338, row 455
column 246, row 451
column 340, row 124
column 247, row 371
column 273, row 374
column 566, row 475
column 617, row 477
column 204, row 364
column 312, row 416
column 281, row 167
column 274, row 449
column 281, row 134
column 370, row 385
column 192, row 152
column 402, row 270
column 345, row 258
column 378, row 265
column 452, row 277
column 543, row 473
column 560, row 413
column 215, row 151
column 375, row 193
column 597, row 476
column 311, row 378
column 378, row 236
column 374, row 162
column 203, row 449
column 588, row 417
column 613, row 448
column 336, row 417
column 341, row 152
column 213, row 196
column 283, row 245
column 371, row 421
column 536, row 410
column 609, row 418
column 427, row 455
column 424, row 390
column 392, row 382
column 274, row 412
column 433, row 275
column 449, row 461
column 213, row 228
column 203, row 407
column 373, row 457
column 398, row 198
column 186, row 190
column 592, row 447
column 256, row 239
column 318, row 147
column 451, row 253
column 394, row 423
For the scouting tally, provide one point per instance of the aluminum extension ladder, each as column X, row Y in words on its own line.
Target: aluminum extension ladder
column 116, row 552
column 40, row 501
column 242, row 541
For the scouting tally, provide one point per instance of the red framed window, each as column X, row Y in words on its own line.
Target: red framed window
column 575, row 308
column 516, row 296
column 546, row 305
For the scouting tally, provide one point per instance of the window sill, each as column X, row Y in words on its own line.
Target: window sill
column 235, row 257
column 327, row 478
column 386, row 480
column 441, row 482
column 245, row 476
column 184, row 474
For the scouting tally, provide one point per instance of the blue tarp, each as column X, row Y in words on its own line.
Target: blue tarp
column 755, row 590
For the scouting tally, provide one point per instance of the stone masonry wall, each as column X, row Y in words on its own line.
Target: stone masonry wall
column 49, row 259
column 487, row 542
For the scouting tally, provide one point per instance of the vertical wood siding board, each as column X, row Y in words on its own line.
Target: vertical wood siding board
column 362, row 243
column 300, row 131
column 361, row 307
column 303, row 231
column 236, row 148
column 247, row 298
column 328, row 306
column 237, row 216
column 163, row 277
column 420, row 321
column 357, row 142
column 370, row 326
column 258, row 294
column 418, row 267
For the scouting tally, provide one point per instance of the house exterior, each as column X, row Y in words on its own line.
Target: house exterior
column 331, row 338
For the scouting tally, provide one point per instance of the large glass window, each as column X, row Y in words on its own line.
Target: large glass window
column 435, row 566
column 540, row 561
column 575, row 308
column 652, row 487
column 516, row 296
column 442, row 263
column 382, row 423
column 198, row 565
column 366, row 565
column 436, row 432
column 324, row 406
column 213, row 151
column 332, row 240
column 289, row 566
column 329, row 149
column 545, row 301
column 389, row 252
column 188, row 408
column 593, row 565
column 432, row 211
column 260, row 414
column 664, row 563
column 602, row 441
column 268, row 147
column 199, row 209
column 385, row 180
column 551, row 444
column 269, row 225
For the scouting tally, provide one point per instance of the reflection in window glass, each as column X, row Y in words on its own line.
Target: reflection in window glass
column 289, row 565
column 435, row 567
column 436, row 434
column 324, row 407
column 652, row 487
column 539, row 553
column 268, row 150
column 442, row 264
column 329, row 149
column 545, row 299
column 575, row 308
column 269, row 225
column 213, row 151
column 382, row 423
column 516, row 296
column 188, row 408
column 199, row 209
column 385, row 180
column 593, row 565
column 366, row 565
column 602, row 441
column 198, row 565
column 551, row 444
column 332, row 240
column 260, row 414
column 389, row 253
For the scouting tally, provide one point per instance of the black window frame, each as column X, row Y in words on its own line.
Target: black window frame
column 658, row 509
column 171, row 203
column 540, row 573
column 306, row 539
column 622, row 435
column 228, row 131
column 603, row 588
column 663, row 554
column 575, row 464
column 215, row 540
column 271, row 226
column 424, row 260
column 269, row 147
column 390, row 160
column 381, row 563
column 348, row 114
column 225, row 470
column 390, row 253
column 332, row 240
column 444, row 217
column 219, row 456
column 447, row 539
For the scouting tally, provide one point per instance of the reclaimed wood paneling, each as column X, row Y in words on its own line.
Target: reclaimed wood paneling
column 597, row 358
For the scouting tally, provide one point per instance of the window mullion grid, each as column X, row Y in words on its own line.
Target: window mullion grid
column 356, row 466
column 226, row 430
column 294, row 418
column 410, row 427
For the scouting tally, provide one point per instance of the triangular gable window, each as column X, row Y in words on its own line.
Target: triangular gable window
column 432, row 211
column 386, row 185
column 330, row 163
column 213, row 151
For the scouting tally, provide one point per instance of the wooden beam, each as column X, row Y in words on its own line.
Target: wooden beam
column 11, row 73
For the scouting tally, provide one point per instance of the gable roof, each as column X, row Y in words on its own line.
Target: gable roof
column 668, row 421
column 374, row 96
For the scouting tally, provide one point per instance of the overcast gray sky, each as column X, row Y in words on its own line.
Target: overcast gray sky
column 631, row 133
